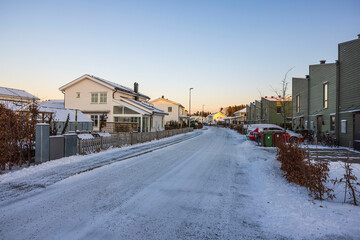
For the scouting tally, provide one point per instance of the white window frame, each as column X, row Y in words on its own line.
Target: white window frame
column 343, row 126
column 101, row 97
column 94, row 98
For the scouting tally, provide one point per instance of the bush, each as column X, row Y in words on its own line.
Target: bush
column 313, row 176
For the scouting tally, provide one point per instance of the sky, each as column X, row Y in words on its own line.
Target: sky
column 230, row 52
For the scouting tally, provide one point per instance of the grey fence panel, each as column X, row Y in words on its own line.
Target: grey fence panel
column 57, row 147
column 118, row 140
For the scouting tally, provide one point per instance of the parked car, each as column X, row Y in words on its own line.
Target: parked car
column 260, row 128
column 101, row 134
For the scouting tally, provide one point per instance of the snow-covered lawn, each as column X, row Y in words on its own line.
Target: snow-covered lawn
column 213, row 186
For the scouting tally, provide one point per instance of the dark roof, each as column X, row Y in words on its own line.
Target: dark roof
column 120, row 87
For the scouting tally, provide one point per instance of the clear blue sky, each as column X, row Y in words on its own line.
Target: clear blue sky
column 230, row 52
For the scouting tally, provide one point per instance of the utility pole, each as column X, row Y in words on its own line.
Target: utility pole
column 190, row 105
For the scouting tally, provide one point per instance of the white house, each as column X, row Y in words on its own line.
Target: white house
column 175, row 110
column 240, row 117
column 112, row 106
column 216, row 117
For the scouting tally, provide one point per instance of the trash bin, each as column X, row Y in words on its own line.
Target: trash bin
column 244, row 131
column 268, row 141
column 277, row 136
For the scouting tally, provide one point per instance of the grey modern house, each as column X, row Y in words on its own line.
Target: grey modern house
column 328, row 99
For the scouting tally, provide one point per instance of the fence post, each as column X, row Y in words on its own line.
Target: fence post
column 70, row 144
column 42, row 146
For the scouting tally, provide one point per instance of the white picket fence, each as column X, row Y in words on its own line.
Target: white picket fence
column 117, row 140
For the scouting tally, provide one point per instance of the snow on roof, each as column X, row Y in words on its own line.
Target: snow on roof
column 115, row 85
column 278, row 98
column 55, row 103
column 60, row 115
column 16, row 93
column 165, row 99
column 240, row 111
column 216, row 113
column 147, row 106
column 14, row 105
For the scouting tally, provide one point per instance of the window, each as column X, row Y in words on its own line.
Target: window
column 94, row 97
column 77, row 95
column 103, row 97
column 127, row 119
column 169, row 109
column 298, row 103
column 278, row 109
column 123, row 110
column 95, row 119
column 325, row 95
column 343, row 126
column 306, row 124
column 332, row 123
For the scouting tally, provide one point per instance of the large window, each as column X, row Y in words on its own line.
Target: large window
column 298, row 103
column 95, row 119
column 94, row 97
column 127, row 119
column 123, row 110
column 103, row 97
column 325, row 95
column 278, row 109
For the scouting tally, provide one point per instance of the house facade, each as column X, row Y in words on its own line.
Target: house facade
column 300, row 103
column 176, row 111
column 328, row 99
column 216, row 117
column 112, row 106
column 275, row 109
column 348, row 100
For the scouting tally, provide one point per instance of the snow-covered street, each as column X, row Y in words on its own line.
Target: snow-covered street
column 209, row 184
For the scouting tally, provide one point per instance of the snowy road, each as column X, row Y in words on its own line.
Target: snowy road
column 213, row 186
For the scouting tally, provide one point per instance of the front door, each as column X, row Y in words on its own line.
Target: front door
column 357, row 131
column 319, row 124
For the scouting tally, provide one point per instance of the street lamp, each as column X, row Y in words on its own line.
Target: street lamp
column 190, row 105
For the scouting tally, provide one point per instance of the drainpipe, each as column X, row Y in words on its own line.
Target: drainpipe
column 308, row 101
column 337, row 104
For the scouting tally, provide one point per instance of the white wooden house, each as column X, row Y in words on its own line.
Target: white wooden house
column 176, row 111
column 111, row 106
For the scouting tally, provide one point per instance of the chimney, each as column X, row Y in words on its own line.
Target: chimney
column 136, row 90
column 162, row 96
column 322, row 61
column 265, row 96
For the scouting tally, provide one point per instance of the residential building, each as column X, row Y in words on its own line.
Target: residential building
column 348, row 89
column 112, row 106
column 300, row 103
column 275, row 109
column 240, row 117
column 216, row 117
column 176, row 111
column 328, row 99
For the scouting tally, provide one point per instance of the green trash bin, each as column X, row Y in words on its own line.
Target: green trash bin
column 244, row 131
column 268, row 139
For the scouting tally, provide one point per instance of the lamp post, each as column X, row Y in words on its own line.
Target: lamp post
column 190, row 105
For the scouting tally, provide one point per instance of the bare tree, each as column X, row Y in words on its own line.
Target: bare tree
column 284, row 99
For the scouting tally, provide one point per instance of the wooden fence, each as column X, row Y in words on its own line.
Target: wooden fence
column 118, row 140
